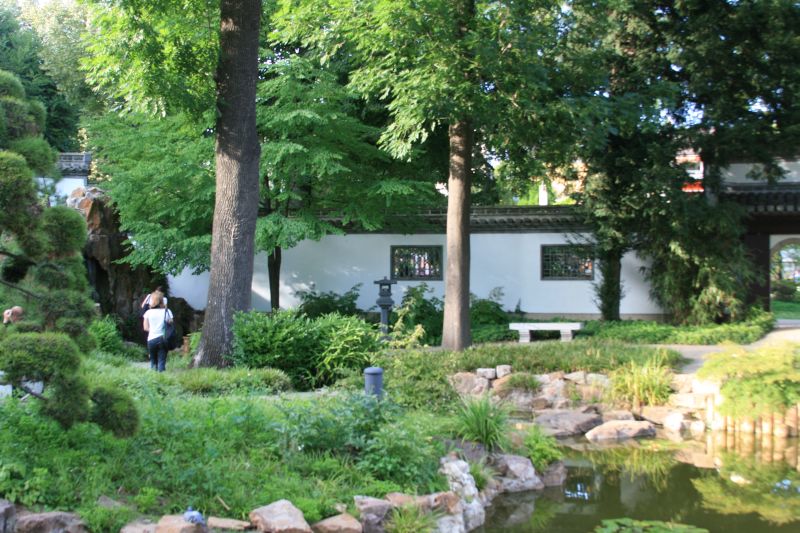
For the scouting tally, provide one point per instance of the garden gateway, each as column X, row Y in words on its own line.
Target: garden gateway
column 538, row 256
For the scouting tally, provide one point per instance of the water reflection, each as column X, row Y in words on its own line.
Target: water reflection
column 721, row 484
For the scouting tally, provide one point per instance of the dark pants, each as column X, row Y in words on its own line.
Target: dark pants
column 157, row 348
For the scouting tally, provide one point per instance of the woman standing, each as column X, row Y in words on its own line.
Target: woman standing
column 154, row 322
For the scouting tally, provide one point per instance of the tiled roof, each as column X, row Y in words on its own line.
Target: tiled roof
column 764, row 199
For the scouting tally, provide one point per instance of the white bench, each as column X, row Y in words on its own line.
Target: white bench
column 525, row 329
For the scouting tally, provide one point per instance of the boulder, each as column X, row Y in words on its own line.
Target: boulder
column 488, row 373
column 279, row 517
column 590, row 393
column 565, row 422
column 52, row 522
column 522, row 402
column 555, row 475
column 462, row 484
column 8, row 517
column 705, row 386
column 516, row 473
column 656, row 413
column 675, row 422
column 598, row 380
column 450, row 524
column 697, row 428
column 503, row 370
column 469, row 384
column 577, row 377
column 618, row 415
column 342, row 523
column 178, row 524
column 229, row 524
column 399, row 499
column 621, row 430
column 688, row 400
column 373, row 512
column 139, row 526
column 682, row 383
column 554, row 391
column 446, row 502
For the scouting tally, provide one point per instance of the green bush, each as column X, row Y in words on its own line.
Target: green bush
column 114, row 411
column 243, row 381
column 410, row 519
column 347, row 343
column 38, row 113
column 65, row 229
column 492, row 333
column 57, row 305
column 19, row 121
column 784, row 290
column 540, row 448
column 38, row 356
column 314, row 304
column 17, row 196
column 10, row 85
column 524, row 381
column 418, row 379
column 40, row 156
column 106, row 335
column 484, row 422
column 67, row 399
column 415, row 310
column 488, row 311
column 637, row 384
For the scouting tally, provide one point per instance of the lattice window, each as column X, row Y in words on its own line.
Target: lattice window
column 416, row 262
column 567, row 261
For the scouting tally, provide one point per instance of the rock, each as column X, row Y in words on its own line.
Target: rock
column 555, row 475
column 682, row 383
column 598, row 380
column 447, row 502
column 565, row 422
column 279, row 517
column 540, row 403
column 688, row 400
column 474, row 514
column 621, row 429
column 177, row 524
column 469, row 384
column 52, row 522
column 373, row 512
column 656, row 413
column 553, row 390
column 214, row 522
column 618, row 415
column 697, row 428
column 705, row 386
column 590, row 393
column 450, row 524
column 8, row 517
column 488, row 373
column 577, row 377
column 399, row 499
column 523, row 402
column 503, row 370
column 675, row 422
column 500, row 387
column 343, row 523
column 516, row 474
column 462, row 484
column 139, row 526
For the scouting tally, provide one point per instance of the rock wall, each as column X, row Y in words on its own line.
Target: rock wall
column 119, row 287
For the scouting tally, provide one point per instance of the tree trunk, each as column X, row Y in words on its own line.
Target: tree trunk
column 456, row 333
column 237, row 154
column 274, row 271
column 609, row 290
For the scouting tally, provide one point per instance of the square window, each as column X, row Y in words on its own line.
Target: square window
column 567, row 261
column 416, row 262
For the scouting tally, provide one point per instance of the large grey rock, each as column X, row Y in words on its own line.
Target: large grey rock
column 469, row 384
column 656, row 413
column 139, row 526
column 451, row 523
column 279, row 517
column 8, row 517
column 682, row 383
column 177, row 524
column 341, row 523
column 688, row 400
column 554, row 391
column 228, row 524
column 52, row 522
column 462, row 484
column 487, row 373
column 697, row 428
column 555, row 475
column 598, row 380
column 675, row 422
column 373, row 513
column 516, row 473
column 576, row 377
column 621, row 430
column 566, row 422
column 503, row 370
column 617, row 415
column 705, row 386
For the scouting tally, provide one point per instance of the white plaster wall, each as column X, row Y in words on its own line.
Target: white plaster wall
column 737, row 173
column 507, row 260
column 775, row 239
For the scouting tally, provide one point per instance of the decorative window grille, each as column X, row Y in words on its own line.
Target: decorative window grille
column 567, row 261
column 416, row 262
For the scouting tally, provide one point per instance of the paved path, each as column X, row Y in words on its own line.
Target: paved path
column 785, row 331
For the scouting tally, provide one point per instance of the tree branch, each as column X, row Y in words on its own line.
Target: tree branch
column 26, row 292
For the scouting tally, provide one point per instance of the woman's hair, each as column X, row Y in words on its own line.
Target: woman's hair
column 156, row 299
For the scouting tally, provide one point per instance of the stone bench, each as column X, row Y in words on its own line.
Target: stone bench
column 525, row 329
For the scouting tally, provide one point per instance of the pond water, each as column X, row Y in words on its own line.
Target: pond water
column 719, row 485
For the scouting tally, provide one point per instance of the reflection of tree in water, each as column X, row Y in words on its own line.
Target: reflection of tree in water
column 653, row 467
column 544, row 513
column 743, row 485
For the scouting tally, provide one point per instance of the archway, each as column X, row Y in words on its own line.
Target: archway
column 784, row 276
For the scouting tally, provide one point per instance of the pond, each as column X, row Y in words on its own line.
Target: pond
column 719, row 485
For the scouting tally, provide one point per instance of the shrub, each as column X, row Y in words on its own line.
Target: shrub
column 523, row 381
column 209, row 381
column 484, row 422
column 415, row 310
column 19, row 121
column 38, row 113
column 314, row 304
column 540, row 448
column 410, row 519
column 10, row 85
column 56, row 305
column 68, row 400
column 18, row 195
column 637, row 384
column 418, row 379
column 481, row 473
column 492, row 333
column 348, row 343
column 488, row 311
column 38, row 356
column 106, row 335
column 39, row 155
column 65, row 229
column 114, row 411
column 784, row 290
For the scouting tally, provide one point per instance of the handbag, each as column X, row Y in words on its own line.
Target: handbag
column 170, row 335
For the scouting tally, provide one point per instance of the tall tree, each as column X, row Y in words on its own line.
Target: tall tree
column 467, row 66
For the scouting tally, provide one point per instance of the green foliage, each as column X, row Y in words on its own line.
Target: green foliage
column 243, row 381
column 64, row 305
column 756, row 382
column 10, row 85
column 410, row 519
column 38, row 153
column 540, row 448
column 114, row 411
column 17, row 196
column 68, row 399
column 636, row 384
column 38, row 356
column 415, row 310
column 67, row 273
column 38, row 113
column 314, row 304
column 482, row 421
column 629, row 525
column 757, row 325
column 418, row 379
column 346, row 343
column 488, row 311
column 523, row 381
column 99, row 518
column 18, row 119
column 65, row 229
column 481, row 473
column 785, row 309
column 492, row 333
column 785, row 290
column 106, row 335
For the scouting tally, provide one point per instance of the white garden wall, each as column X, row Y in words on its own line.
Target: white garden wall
column 507, row 260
